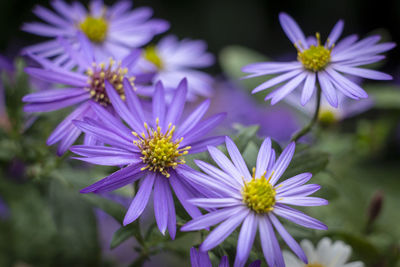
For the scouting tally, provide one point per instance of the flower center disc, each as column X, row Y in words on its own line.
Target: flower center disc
column 259, row 195
column 99, row 73
column 315, row 58
column 159, row 151
column 327, row 117
column 150, row 54
column 314, row 265
column 94, row 28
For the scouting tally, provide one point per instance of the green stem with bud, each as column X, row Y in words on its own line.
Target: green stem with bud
column 313, row 121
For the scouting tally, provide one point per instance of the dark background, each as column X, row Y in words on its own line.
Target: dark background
column 252, row 23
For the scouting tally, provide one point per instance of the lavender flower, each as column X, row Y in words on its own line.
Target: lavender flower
column 321, row 65
column 113, row 31
column 79, row 89
column 5, row 66
column 173, row 60
column 254, row 200
column 328, row 114
column 152, row 149
column 325, row 254
column 201, row 259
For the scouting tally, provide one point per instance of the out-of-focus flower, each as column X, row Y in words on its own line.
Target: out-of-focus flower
column 242, row 108
column 321, row 65
column 5, row 66
column 152, row 149
column 326, row 254
column 201, row 259
column 347, row 108
column 113, row 31
column 172, row 60
column 80, row 89
column 4, row 210
column 254, row 201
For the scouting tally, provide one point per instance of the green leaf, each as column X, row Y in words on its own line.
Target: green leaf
column 244, row 135
column 307, row 160
column 250, row 154
column 233, row 58
column 112, row 208
column 384, row 97
column 124, row 233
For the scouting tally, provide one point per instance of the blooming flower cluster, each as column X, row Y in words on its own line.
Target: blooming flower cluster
column 128, row 98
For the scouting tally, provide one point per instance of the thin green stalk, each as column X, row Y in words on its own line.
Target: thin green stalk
column 313, row 121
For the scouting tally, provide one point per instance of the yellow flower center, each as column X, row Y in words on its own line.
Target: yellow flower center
column 99, row 73
column 327, row 117
column 315, row 58
column 150, row 54
column 95, row 28
column 159, row 151
column 314, row 264
column 258, row 194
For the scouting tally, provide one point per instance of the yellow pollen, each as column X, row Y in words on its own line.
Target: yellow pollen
column 114, row 74
column 258, row 194
column 314, row 264
column 94, row 28
column 315, row 58
column 150, row 54
column 159, row 152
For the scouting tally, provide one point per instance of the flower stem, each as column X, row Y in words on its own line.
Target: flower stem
column 309, row 126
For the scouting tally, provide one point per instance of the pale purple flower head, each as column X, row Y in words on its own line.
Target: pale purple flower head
column 321, row 65
column 113, row 30
column 253, row 200
column 80, row 89
column 173, row 60
column 5, row 66
column 229, row 97
column 328, row 114
column 199, row 258
column 152, row 147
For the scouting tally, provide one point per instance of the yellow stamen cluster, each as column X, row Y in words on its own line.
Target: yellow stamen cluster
column 99, row 73
column 314, row 265
column 315, row 58
column 258, row 194
column 95, row 28
column 327, row 117
column 150, row 54
column 159, row 151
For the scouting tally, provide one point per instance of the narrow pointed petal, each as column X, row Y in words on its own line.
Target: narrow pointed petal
column 327, row 89
column 237, row 158
column 335, row 33
column 212, row 218
column 283, row 162
column 246, row 239
column 263, row 157
column 177, row 104
column 298, row 217
column 292, row 244
column 309, row 88
column 140, row 200
column 222, row 231
column 161, row 202
column 292, row 30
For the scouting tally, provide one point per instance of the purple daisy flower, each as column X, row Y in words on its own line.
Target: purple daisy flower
column 152, row 148
column 79, row 89
column 323, row 66
column 113, row 31
column 173, row 60
column 328, row 114
column 201, row 259
column 254, row 201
